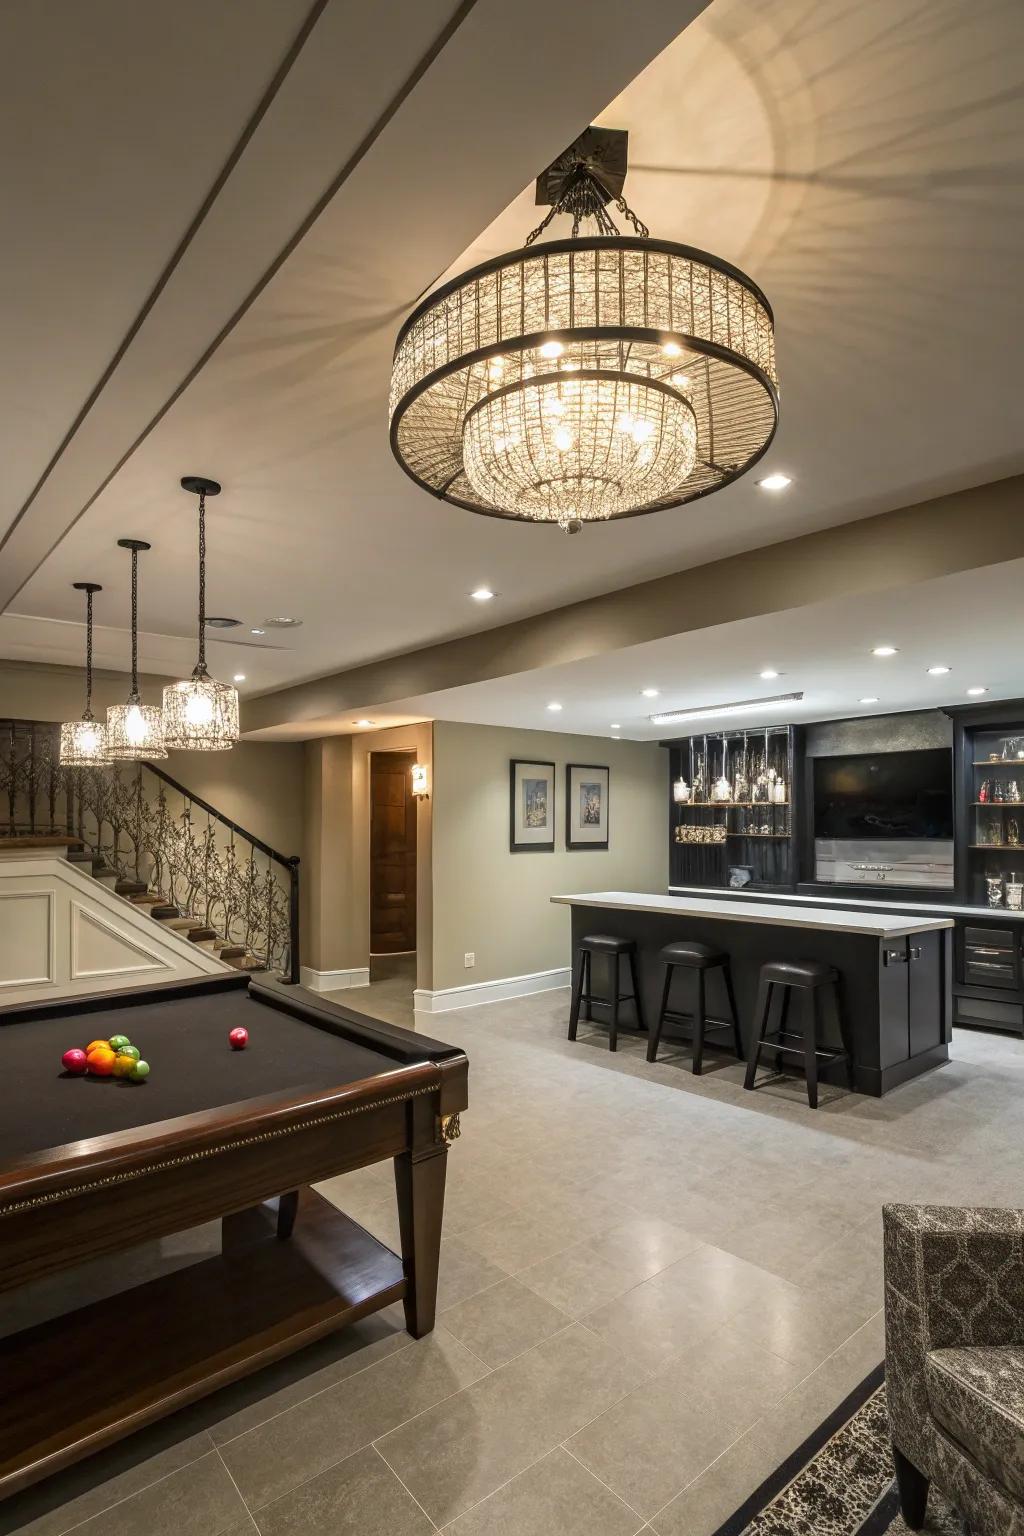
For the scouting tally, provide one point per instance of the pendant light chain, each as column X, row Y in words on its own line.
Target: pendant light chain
column 88, row 657
column 200, row 670
column 134, row 696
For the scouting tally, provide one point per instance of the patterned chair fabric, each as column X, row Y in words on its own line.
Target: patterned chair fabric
column 954, row 1320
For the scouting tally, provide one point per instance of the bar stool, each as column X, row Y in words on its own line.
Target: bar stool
column 812, row 978
column 615, row 948
column 699, row 958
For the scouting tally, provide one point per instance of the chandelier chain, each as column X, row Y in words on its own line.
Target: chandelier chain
column 135, row 627
column 584, row 197
column 88, row 657
column 201, row 664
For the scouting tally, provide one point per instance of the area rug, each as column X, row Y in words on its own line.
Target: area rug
column 839, row 1482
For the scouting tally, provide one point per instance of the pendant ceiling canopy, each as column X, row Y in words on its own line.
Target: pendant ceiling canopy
column 135, row 731
column 83, row 743
column 201, row 714
column 585, row 379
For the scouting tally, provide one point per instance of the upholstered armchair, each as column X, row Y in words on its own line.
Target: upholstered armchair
column 954, row 1362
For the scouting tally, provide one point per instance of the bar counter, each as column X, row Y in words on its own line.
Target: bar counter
column 895, row 967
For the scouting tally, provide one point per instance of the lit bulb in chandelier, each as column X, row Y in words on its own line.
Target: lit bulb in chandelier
column 563, row 440
column 551, row 349
column 199, row 710
column 135, row 726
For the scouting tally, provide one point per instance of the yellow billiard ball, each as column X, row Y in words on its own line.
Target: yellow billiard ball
column 124, row 1065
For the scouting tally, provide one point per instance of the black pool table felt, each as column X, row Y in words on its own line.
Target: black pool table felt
column 185, row 1041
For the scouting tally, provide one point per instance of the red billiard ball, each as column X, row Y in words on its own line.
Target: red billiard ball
column 238, row 1039
column 74, row 1062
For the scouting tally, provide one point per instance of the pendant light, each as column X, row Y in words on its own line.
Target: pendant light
column 201, row 715
column 83, row 743
column 135, row 731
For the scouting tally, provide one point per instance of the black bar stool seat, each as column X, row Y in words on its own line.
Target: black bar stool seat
column 582, row 990
column 817, row 982
column 691, row 955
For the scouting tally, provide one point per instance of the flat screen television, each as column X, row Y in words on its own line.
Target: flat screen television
column 885, row 795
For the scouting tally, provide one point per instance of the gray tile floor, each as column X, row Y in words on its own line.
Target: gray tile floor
column 654, row 1287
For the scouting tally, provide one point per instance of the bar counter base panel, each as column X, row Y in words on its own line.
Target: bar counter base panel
column 192, row 1331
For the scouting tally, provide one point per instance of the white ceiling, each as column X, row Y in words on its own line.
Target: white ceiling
column 863, row 162
column 972, row 622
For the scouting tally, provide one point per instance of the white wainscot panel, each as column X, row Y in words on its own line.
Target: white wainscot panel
column 26, row 938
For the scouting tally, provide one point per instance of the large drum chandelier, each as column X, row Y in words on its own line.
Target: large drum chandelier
column 580, row 380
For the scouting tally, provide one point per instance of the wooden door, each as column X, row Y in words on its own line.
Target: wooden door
column 392, row 853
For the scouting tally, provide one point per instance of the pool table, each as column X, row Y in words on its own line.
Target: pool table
column 90, row 1166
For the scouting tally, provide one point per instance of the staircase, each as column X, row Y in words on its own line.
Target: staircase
column 166, row 912
column 150, row 840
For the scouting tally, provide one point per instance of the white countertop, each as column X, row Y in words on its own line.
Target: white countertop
column 944, row 908
column 882, row 925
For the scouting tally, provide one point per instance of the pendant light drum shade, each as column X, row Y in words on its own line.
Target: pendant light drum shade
column 135, row 731
column 691, row 337
column 83, row 743
column 201, row 714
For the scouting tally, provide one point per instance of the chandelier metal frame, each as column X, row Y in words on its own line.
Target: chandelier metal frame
column 200, row 713
column 630, row 306
column 83, row 743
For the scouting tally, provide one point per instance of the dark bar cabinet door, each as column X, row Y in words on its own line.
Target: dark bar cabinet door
column 929, row 991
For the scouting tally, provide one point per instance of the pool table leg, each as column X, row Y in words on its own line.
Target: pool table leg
column 419, row 1182
column 287, row 1208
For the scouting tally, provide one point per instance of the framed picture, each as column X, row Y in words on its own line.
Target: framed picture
column 531, row 807
column 586, row 806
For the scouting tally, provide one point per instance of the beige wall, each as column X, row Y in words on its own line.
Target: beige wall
column 337, row 849
column 496, row 903
column 259, row 785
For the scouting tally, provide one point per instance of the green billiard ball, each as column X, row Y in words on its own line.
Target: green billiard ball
column 118, row 1043
column 129, row 1050
column 139, row 1072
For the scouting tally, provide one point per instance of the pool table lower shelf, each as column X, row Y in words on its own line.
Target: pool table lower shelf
column 189, row 1332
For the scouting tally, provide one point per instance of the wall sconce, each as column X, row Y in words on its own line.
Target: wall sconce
column 420, row 787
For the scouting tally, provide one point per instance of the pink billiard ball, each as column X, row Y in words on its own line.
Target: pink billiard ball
column 238, row 1039
column 74, row 1062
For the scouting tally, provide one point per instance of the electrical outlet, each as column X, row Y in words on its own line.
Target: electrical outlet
column 470, row 960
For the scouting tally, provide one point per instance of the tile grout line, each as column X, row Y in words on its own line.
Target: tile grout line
column 591, row 1473
column 67, row 1529
column 249, row 1514
column 432, row 1523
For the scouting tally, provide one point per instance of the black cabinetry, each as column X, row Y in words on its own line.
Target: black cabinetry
column 731, row 819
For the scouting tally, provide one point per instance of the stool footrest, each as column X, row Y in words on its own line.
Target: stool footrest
column 670, row 1017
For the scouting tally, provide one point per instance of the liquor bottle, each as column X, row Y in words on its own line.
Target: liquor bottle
column 985, row 792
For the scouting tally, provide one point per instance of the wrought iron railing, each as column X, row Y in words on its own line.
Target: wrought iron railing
column 153, row 830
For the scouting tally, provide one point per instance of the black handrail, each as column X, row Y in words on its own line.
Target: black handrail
column 288, row 861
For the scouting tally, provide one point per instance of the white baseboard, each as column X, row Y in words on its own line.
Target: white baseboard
column 334, row 981
column 446, row 998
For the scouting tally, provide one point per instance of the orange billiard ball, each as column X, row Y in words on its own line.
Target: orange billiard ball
column 101, row 1061
column 96, row 1045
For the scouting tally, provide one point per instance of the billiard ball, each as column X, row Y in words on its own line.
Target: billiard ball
column 74, row 1062
column 118, row 1042
column 101, row 1061
column 238, row 1039
column 124, row 1065
column 95, row 1045
column 129, row 1050
column 139, row 1072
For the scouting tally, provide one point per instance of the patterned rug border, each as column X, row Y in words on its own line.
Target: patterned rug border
column 880, row 1518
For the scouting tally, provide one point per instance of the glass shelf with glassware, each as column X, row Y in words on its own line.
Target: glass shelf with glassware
column 731, row 797
column 995, row 845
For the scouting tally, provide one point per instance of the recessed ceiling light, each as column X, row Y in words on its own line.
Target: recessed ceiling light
column 362, row 722
column 551, row 349
column 217, row 622
column 257, row 631
column 649, row 693
column 282, row 621
column 239, row 677
column 884, row 650
column 767, row 673
column 481, row 594
column 869, row 698
column 775, row 482
column 615, row 726
column 937, row 671
column 554, row 705
column 974, row 692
